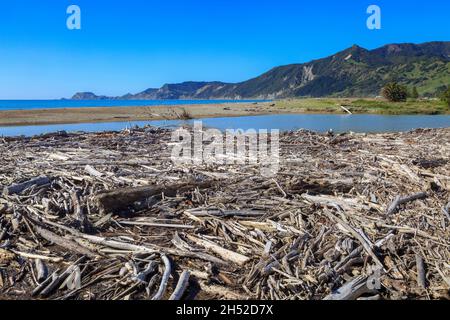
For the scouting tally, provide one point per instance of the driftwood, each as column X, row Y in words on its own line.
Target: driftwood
column 222, row 252
column 361, row 239
column 38, row 256
column 225, row 213
column 157, row 225
column 346, row 110
column 57, row 280
column 446, row 211
column 218, row 291
column 47, row 282
column 402, row 200
column 64, row 242
column 120, row 200
column 41, row 270
column 165, row 278
column 181, row 287
column 118, row 214
column 91, row 171
column 80, row 215
column 351, row 290
column 18, row 188
column 421, row 278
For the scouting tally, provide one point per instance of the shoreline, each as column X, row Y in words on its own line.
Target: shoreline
column 35, row 117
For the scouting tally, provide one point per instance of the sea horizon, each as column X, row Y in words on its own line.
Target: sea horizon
column 24, row 104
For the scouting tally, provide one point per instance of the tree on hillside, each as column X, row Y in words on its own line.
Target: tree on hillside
column 414, row 93
column 394, row 92
column 446, row 96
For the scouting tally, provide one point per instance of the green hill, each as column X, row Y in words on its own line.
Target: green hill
column 354, row 72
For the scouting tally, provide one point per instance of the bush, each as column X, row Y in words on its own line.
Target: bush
column 446, row 96
column 395, row 92
column 414, row 93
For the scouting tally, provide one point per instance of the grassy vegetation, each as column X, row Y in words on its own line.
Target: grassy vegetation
column 182, row 114
column 364, row 106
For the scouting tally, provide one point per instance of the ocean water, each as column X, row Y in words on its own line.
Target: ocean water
column 58, row 104
column 320, row 123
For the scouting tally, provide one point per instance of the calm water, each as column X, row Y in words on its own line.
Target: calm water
column 321, row 123
column 57, row 104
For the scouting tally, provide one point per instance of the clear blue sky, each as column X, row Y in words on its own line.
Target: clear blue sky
column 128, row 46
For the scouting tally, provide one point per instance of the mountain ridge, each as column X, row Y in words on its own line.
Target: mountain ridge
column 352, row 72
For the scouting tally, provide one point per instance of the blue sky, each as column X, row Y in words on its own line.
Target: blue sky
column 129, row 46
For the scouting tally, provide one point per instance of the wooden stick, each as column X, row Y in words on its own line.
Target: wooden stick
column 41, row 270
column 421, row 279
column 165, row 279
column 346, row 110
column 181, row 286
column 18, row 188
column 45, row 283
column 64, row 242
column 57, row 280
column 351, row 290
column 402, row 200
column 446, row 211
column 37, row 256
column 158, row 225
column 225, row 213
column 80, row 215
column 222, row 252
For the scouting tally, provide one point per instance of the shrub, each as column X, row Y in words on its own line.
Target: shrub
column 395, row 92
column 414, row 93
column 181, row 114
column 446, row 96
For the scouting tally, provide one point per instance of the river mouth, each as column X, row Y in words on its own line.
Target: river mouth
column 283, row 122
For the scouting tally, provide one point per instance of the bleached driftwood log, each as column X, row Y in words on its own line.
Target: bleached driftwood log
column 346, row 110
column 351, row 290
column 222, row 252
column 181, row 286
column 119, row 200
column 91, row 171
column 116, row 201
column 18, row 188
column 64, row 242
column 165, row 278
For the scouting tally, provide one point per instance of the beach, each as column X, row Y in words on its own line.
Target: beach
column 111, row 114
column 198, row 111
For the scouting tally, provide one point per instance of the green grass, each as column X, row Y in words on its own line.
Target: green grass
column 364, row 106
column 440, row 76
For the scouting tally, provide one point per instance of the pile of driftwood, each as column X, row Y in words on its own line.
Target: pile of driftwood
column 109, row 216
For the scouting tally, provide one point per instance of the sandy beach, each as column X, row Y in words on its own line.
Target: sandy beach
column 111, row 114
column 198, row 111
